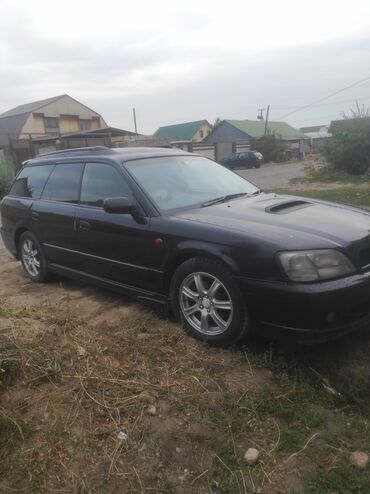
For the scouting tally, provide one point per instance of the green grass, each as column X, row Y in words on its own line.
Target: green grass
column 344, row 479
column 350, row 196
column 327, row 174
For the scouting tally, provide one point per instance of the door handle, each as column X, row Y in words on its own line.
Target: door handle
column 35, row 216
column 84, row 225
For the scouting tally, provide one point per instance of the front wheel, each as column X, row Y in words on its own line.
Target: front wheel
column 208, row 302
column 32, row 257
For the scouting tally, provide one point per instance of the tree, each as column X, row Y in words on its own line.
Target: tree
column 271, row 147
column 349, row 147
column 217, row 122
column 358, row 112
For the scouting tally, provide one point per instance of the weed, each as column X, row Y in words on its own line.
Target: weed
column 343, row 478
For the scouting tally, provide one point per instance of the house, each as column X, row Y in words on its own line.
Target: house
column 348, row 123
column 184, row 132
column 318, row 135
column 245, row 130
column 49, row 117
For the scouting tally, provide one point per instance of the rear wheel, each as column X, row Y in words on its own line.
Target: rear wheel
column 32, row 257
column 208, row 302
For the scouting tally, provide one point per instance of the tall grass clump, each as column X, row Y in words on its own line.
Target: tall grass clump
column 6, row 176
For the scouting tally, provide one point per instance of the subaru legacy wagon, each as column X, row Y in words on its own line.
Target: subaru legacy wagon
column 181, row 231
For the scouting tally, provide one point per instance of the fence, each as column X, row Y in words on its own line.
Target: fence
column 20, row 150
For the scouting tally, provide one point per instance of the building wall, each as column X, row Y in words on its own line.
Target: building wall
column 202, row 132
column 68, row 106
column 68, row 124
column 34, row 124
column 225, row 132
column 96, row 123
column 68, row 111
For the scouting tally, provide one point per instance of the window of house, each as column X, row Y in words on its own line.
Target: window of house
column 84, row 124
column 64, row 183
column 51, row 124
column 101, row 181
column 31, row 181
column 201, row 133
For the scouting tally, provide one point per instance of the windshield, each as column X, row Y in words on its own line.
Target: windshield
column 184, row 181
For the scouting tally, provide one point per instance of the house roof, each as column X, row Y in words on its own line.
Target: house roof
column 180, row 132
column 112, row 131
column 313, row 128
column 11, row 127
column 30, row 107
column 348, row 123
column 256, row 128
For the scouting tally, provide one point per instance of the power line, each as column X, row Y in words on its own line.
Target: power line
column 327, row 97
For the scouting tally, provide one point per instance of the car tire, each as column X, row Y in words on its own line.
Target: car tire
column 208, row 302
column 32, row 257
column 257, row 165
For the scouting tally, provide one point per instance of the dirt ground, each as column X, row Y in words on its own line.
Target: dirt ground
column 99, row 394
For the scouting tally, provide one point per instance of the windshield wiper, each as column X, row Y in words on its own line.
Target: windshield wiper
column 256, row 192
column 224, row 198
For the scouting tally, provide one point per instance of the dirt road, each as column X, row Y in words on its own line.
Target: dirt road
column 275, row 176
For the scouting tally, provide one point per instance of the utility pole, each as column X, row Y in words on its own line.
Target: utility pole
column 133, row 111
column 260, row 115
column 267, row 118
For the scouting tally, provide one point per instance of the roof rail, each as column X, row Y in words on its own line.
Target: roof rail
column 77, row 151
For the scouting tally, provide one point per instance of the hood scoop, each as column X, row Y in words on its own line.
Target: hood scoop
column 288, row 206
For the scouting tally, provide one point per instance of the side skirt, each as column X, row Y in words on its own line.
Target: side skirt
column 151, row 298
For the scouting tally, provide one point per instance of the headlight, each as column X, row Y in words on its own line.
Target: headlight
column 315, row 265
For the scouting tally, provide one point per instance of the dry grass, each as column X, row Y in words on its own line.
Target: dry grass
column 187, row 411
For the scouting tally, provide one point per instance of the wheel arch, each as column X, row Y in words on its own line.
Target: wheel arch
column 191, row 252
column 18, row 233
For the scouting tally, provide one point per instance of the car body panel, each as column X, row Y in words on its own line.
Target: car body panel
column 137, row 253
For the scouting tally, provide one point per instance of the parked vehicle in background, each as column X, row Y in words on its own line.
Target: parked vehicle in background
column 182, row 231
column 247, row 159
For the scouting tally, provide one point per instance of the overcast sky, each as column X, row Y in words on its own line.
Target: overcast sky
column 179, row 61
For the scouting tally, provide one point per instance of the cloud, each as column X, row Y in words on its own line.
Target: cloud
column 177, row 62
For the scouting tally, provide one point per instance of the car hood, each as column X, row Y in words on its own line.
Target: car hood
column 293, row 222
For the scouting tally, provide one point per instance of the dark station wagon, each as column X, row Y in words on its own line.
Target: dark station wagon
column 179, row 230
column 247, row 159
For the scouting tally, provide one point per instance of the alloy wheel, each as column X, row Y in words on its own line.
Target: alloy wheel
column 30, row 257
column 205, row 303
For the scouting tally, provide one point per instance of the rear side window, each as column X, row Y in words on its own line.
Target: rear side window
column 31, row 181
column 64, row 183
column 101, row 181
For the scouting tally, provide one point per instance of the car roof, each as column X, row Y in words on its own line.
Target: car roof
column 117, row 154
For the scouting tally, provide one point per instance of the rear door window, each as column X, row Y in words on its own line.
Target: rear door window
column 101, row 181
column 31, row 181
column 64, row 183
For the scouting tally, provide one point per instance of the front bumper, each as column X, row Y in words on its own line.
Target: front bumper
column 312, row 312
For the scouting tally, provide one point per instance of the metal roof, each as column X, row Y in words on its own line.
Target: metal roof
column 30, row 107
column 256, row 128
column 180, row 132
column 10, row 127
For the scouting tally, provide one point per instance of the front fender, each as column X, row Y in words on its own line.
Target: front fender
column 186, row 249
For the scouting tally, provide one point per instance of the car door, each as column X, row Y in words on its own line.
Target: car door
column 243, row 160
column 234, row 161
column 113, row 246
column 53, row 215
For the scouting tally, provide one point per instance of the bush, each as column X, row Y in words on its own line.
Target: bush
column 272, row 148
column 349, row 147
column 6, row 176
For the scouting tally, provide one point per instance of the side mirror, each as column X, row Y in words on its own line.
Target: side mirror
column 119, row 205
